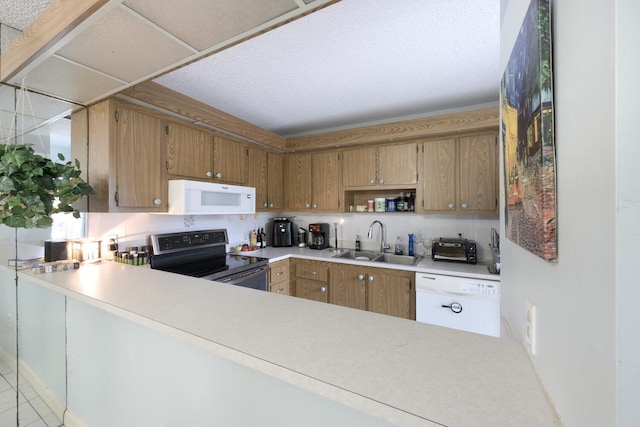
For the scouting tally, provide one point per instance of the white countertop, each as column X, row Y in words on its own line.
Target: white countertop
column 427, row 265
column 406, row 372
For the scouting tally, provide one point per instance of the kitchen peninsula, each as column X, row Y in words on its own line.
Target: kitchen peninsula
column 169, row 342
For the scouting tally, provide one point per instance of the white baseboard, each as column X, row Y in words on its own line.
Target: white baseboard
column 47, row 395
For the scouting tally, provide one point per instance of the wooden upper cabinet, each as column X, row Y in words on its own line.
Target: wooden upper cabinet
column 229, row 160
column 297, row 181
column 479, row 173
column 392, row 165
column 325, row 182
column 460, row 175
column 140, row 179
column 189, row 152
column 126, row 158
column 312, row 181
column 266, row 175
column 439, row 175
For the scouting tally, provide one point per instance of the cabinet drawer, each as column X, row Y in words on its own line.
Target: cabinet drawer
column 279, row 273
column 312, row 270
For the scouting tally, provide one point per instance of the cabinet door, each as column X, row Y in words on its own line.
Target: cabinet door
column 189, row 152
column 229, row 161
column 439, row 192
column 348, row 286
column 275, row 181
column 257, row 176
column 359, row 167
column 397, row 164
column 478, row 173
column 391, row 292
column 297, row 181
column 325, row 181
column 312, row 289
column 141, row 182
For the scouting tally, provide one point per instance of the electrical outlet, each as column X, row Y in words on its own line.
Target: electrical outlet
column 530, row 328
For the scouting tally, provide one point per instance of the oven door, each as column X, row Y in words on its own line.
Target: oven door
column 254, row 278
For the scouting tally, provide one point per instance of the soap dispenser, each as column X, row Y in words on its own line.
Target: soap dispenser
column 398, row 249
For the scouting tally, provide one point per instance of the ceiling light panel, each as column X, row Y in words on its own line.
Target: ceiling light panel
column 65, row 79
column 124, row 46
column 208, row 22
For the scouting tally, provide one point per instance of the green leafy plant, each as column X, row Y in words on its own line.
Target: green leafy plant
column 32, row 187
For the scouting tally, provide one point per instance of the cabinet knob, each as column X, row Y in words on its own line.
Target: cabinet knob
column 323, row 289
column 315, row 206
column 307, row 205
column 208, row 174
column 371, row 278
column 219, row 175
column 372, row 181
column 465, row 206
column 264, row 205
column 313, row 273
column 381, row 181
column 360, row 276
column 450, row 206
column 157, row 202
column 270, row 205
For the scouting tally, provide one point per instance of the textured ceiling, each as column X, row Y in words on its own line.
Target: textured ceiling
column 353, row 62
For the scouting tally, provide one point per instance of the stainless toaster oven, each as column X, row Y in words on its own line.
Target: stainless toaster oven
column 454, row 249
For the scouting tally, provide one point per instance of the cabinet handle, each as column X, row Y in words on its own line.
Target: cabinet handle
column 279, row 289
column 323, row 289
column 208, row 174
column 270, row 205
column 157, row 202
column 280, row 273
column 219, row 175
column 312, row 273
column 372, row 182
column 264, row 205
column 381, row 181
column 371, row 278
column 307, row 205
column 360, row 276
column 315, row 206
column 465, row 206
column 450, row 206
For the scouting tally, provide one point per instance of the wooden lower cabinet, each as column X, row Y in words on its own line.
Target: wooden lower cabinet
column 279, row 277
column 311, row 279
column 380, row 290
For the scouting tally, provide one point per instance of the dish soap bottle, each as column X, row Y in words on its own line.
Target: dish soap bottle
column 358, row 247
column 410, row 244
column 398, row 249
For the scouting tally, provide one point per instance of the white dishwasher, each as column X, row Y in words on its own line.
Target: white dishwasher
column 458, row 302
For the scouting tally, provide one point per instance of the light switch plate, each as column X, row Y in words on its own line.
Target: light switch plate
column 530, row 328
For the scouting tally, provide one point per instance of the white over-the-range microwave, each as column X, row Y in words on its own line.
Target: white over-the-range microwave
column 188, row 197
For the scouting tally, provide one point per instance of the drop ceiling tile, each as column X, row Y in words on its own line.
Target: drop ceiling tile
column 125, row 47
column 206, row 23
column 64, row 79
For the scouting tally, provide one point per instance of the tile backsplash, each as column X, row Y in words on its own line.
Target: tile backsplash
column 133, row 229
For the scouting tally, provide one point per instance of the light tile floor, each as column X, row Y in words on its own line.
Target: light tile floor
column 34, row 412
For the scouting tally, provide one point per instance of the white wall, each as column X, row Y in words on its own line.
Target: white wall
column 627, row 210
column 575, row 298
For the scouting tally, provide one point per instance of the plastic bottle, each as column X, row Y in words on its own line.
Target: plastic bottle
column 358, row 247
column 410, row 244
column 398, row 249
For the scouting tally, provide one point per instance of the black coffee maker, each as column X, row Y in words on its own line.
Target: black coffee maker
column 282, row 235
column 319, row 235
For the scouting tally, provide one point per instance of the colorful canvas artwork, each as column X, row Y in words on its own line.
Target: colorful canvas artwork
column 526, row 99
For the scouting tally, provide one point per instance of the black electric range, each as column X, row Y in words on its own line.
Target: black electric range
column 203, row 254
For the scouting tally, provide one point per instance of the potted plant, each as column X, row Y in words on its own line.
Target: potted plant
column 32, row 187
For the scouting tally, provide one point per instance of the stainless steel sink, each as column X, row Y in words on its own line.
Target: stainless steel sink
column 399, row 259
column 379, row 257
column 359, row 255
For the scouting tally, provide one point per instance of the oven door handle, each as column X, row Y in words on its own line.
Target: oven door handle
column 240, row 277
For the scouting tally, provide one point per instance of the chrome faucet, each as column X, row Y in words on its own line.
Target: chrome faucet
column 383, row 245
